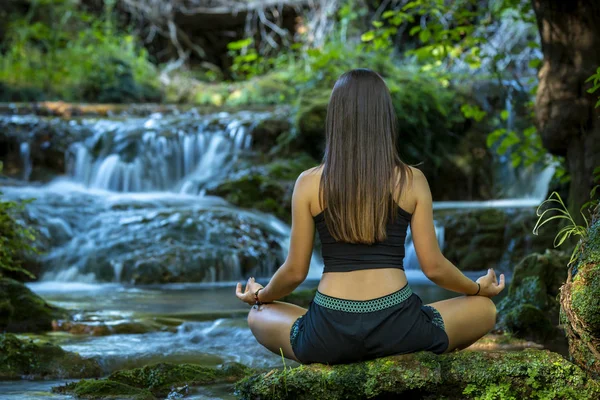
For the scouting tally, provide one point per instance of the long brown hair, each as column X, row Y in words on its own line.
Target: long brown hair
column 360, row 160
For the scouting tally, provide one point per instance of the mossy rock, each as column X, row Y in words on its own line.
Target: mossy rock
column 531, row 309
column 103, row 389
column 530, row 322
column 459, row 375
column 265, row 187
column 580, row 304
column 21, row 310
column 491, row 238
column 24, row 359
column 153, row 380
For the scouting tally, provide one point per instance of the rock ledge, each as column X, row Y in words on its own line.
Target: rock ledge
column 461, row 375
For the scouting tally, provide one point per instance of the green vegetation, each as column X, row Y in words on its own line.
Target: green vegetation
column 58, row 50
column 24, row 359
column 529, row 374
column 21, row 310
column 15, row 239
column 152, row 380
column 531, row 309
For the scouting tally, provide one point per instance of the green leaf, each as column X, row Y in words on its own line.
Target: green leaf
column 367, row 36
column 377, row 24
column 240, row 44
column 494, row 136
column 504, row 115
column 515, row 160
column 424, row 35
column 414, row 30
column 535, row 63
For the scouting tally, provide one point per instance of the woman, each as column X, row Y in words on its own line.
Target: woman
column 361, row 200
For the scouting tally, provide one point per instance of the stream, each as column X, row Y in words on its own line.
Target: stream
column 133, row 200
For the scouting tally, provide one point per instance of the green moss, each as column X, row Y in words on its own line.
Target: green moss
column 459, row 375
column 21, row 310
column 591, row 249
column 157, row 379
column 103, row 389
column 585, row 296
column 580, row 303
column 530, row 310
column 267, row 187
column 528, row 321
column 26, row 359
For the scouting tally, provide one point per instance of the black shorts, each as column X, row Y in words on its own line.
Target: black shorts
column 336, row 331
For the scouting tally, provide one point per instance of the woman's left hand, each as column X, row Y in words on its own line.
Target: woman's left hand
column 247, row 296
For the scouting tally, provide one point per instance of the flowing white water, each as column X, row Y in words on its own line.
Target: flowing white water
column 132, row 206
column 160, row 153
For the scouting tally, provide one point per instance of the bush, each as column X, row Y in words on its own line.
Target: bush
column 71, row 55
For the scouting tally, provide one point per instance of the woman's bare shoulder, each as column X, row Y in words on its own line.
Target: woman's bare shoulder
column 308, row 183
column 419, row 186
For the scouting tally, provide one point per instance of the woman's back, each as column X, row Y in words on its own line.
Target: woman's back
column 362, row 283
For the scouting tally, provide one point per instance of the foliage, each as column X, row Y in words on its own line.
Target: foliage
column 457, row 32
column 555, row 205
column 14, row 238
column 595, row 79
column 73, row 55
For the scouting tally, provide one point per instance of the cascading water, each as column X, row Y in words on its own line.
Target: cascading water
column 158, row 153
column 132, row 208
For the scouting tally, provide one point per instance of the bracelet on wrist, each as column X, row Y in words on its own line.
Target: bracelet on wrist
column 256, row 300
column 478, row 289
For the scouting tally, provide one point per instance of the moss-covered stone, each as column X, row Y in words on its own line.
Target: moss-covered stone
column 585, row 296
column 580, row 303
column 460, row 375
column 490, row 238
column 266, row 187
column 103, row 389
column 24, row 359
column 531, row 309
column 154, row 380
column 21, row 310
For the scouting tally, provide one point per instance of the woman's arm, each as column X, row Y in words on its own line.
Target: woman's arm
column 434, row 265
column 295, row 268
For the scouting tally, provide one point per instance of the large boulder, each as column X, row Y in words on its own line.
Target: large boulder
column 154, row 381
column 580, row 303
column 267, row 187
column 21, row 310
column 531, row 308
column 459, row 375
column 477, row 239
column 24, row 359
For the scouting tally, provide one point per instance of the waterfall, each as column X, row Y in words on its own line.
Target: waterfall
column 160, row 153
column 132, row 208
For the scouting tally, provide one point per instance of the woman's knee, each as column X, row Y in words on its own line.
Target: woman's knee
column 488, row 309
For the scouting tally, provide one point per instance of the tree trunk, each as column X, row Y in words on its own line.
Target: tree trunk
column 566, row 115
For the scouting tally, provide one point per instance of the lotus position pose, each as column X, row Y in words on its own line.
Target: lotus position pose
column 361, row 200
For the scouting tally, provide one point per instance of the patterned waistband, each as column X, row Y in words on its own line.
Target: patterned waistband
column 363, row 306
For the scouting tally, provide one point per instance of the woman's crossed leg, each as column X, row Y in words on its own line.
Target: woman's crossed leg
column 466, row 319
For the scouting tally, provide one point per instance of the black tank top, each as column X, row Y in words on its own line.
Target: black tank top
column 344, row 256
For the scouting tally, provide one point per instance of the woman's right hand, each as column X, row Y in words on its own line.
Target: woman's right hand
column 490, row 286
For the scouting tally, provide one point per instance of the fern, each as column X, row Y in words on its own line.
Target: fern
column 556, row 206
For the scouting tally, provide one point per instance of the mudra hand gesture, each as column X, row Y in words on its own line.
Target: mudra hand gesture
column 247, row 296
